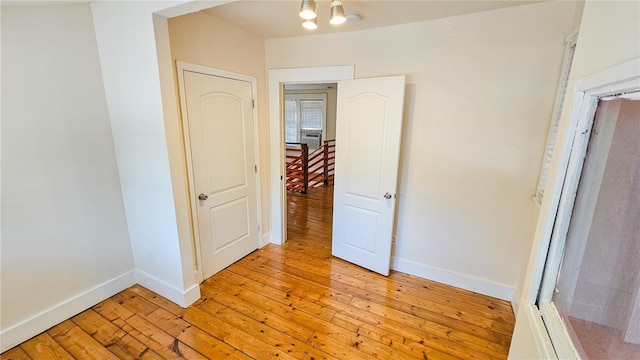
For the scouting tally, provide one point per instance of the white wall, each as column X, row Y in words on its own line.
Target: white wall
column 129, row 60
column 609, row 35
column 479, row 101
column 65, row 244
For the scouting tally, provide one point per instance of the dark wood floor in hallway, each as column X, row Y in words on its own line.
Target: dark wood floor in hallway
column 288, row 302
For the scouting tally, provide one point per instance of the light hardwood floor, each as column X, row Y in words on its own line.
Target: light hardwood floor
column 290, row 302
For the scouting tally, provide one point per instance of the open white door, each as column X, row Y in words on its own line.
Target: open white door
column 219, row 117
column 368, row 130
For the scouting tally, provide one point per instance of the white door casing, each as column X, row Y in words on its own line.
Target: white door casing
column 278, row 77
column 218, row 115
column 368, row 134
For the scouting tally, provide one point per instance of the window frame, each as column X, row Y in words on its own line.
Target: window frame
column 552, row 136
column 614, row 81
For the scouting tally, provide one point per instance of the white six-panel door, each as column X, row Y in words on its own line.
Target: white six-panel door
column 219, row 117
column 368, row 130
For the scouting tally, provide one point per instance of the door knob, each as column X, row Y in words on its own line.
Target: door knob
column 202, row 197
column 387, row 196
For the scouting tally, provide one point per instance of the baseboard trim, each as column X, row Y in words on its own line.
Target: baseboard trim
column 471, row 283
column 266, row 239
column 181, row 297
column 42, row 321
column 515, row 302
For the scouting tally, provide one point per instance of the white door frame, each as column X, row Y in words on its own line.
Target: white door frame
column 182, row 66
column 277, row 79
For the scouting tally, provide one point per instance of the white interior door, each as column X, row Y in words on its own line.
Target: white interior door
column 368, row 130
column 219, row 116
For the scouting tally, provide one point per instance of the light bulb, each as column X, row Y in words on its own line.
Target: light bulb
column 310, row 24
column 337, row 13
column 308, row 9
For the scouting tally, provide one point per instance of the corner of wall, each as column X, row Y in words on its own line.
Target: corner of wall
column 40, row 322
column 179, row 296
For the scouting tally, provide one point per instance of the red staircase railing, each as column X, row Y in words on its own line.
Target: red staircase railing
column 306, row 170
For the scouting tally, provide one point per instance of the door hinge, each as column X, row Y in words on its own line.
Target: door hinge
column 258, row 227
column 253, row 103
column 256, row 168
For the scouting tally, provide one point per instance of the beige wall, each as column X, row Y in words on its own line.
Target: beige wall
column 478, row 106
column 65, row 243
column 202, row 39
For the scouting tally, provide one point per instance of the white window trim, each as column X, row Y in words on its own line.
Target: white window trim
column 617, row 80
column 561, row 92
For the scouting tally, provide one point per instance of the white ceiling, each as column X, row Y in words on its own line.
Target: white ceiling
column 277, row 19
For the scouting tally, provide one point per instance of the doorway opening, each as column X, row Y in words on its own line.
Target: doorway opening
column 309, row 143
column 366, row 166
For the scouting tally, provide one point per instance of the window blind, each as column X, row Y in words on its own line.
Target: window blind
column 555, row 120
column 291, row 120
column 311, row 114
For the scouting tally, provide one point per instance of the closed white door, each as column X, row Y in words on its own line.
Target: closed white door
column 368, row 130
column 219, row 116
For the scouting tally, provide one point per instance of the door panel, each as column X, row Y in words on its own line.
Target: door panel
column 220, row 121
column 368, row 130
column 223, row 137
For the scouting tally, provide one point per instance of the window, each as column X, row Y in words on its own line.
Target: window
column 557, row 113
column 305, row 118
column 312, row 112
column 589, row 297
column 292, row 129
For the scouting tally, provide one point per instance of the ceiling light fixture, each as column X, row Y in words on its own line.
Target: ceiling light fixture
column 337, row 13
column 308, row 13
column 310, row 24
column 308, row 10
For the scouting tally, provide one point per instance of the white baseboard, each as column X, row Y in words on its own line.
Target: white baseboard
column 515, row 302
column 42, row 321
column 482, row 286
column 266, row 239
column 181, row 297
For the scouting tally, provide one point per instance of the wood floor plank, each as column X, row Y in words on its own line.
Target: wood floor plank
column 78, row 343
column 294, row 347
column 156, row 299
column 294, row 301
column 234, row 337
column 393, row 340
column 288, row 310
column 300, row 287
column 43, row 347
column 137, row 304
column 378, row 285
column 374, row 281
column 101, row 329
column 165, row 345
column 282, row 297
column 15, row 354
column 273, row 320
column 206, row 344
column 113, row 311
